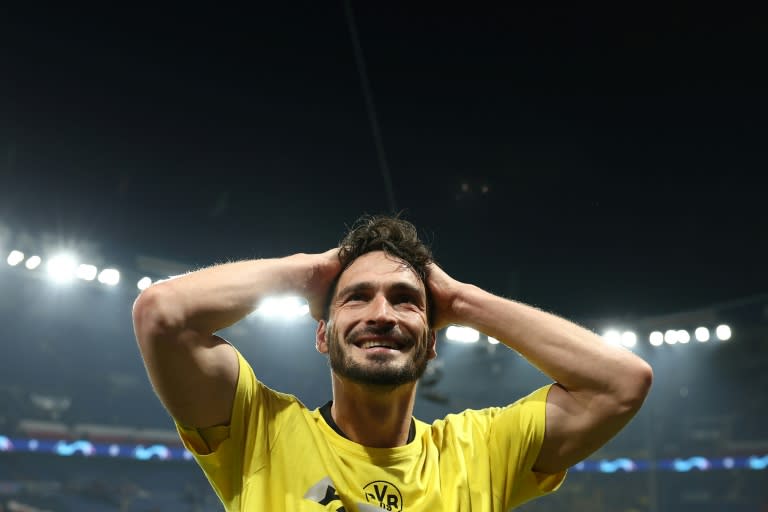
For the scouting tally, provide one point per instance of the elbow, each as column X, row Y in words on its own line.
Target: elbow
column 638, row 384
column 155, row 313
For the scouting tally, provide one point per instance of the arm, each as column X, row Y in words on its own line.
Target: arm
column 193, row 371
column 599, row 387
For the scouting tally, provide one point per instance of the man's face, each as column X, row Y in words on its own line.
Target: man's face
column 378, row 332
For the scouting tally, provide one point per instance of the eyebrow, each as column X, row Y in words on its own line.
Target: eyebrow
column 368, row 285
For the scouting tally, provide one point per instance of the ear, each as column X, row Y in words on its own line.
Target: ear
column 431, row 344
column 321, row 341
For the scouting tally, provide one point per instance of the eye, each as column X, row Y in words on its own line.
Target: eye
column 405, row 298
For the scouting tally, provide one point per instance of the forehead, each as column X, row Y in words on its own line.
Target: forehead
column 378, row 267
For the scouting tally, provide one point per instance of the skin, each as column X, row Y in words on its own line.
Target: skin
column 378, row 296
column 598, row 387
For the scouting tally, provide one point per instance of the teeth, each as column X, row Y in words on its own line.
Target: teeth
column 369, row 344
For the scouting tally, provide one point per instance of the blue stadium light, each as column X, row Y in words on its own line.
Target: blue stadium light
column 174, row 451
column 15, row 257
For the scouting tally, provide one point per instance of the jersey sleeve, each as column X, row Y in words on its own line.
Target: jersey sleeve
column 226, row 453
column 515, row 437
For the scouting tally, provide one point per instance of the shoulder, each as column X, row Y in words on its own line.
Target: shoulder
column 529, row 410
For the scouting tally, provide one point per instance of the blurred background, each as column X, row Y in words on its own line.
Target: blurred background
column 605, row 166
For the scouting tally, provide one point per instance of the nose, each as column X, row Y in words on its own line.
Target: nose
column 380, row 311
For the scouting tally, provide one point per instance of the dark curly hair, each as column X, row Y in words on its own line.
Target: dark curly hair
column 393, row 235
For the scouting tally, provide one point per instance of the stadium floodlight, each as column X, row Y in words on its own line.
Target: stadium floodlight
column 283, row 307
column 15, row 257
column 670, row 336
column 702, row 334
column 628, row 339
column 723, row 332
column 109, row 276
column 683, row 336
column 612, row 336
column 144, row 283
column 86, row 272
column 61, row 268
column 493, row 341
column 461, row 334
column 656, row 338
column 33, row 262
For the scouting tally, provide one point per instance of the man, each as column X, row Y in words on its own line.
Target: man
column 379, row 299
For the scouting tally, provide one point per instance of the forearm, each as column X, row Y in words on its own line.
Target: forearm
column 213, row 298
column 576, row 358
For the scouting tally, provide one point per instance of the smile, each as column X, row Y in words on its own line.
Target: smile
column 379, row 343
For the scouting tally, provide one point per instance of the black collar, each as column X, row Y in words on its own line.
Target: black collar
column 325, row 411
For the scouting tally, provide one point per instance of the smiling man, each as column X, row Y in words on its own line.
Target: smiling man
column 379, row 299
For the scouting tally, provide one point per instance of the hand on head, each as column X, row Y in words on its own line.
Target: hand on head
column 444, row 290
column 325, row 268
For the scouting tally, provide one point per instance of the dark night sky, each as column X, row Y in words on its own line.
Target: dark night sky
column 623, row 152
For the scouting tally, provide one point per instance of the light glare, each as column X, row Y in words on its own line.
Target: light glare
column 462, row 334
column 612, row 336
column 683, row 336
column 702, row 334
column 144, row 283
column 670, row 336
column 15, row 257
column 109, row 276
column 628, row 339
column 493, row 341
column 33, row 262
column 61, row 268
column 283, row 307
column 656, row 338
column 86, row 272
column 723, row 332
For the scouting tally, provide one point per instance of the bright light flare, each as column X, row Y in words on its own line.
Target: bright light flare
column 612, row 336
column 144, row 283
column 670, row 337
column 15, row 257
column 33, row 262
column 109, row 276
column 723, row 332
column 683, row 336
column 283, row 307
column 61, row 268
column 493, row 341
column 628, row 339
column 702, row 334
column 461, row 334
column 656, row 338
column 86, row 272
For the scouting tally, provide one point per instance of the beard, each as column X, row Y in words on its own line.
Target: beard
column 379, row 370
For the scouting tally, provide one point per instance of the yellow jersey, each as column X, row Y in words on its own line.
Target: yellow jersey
column 277, row 455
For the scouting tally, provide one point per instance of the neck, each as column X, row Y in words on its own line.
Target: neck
column 371, row 416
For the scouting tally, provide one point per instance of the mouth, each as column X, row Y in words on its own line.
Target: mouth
column 377, row 344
